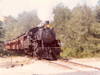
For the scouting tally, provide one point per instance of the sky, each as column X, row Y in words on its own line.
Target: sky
column 43, row 7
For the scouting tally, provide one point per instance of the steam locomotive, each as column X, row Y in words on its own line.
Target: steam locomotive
column 37, row 42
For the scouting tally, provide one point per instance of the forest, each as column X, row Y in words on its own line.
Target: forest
column 77, row 28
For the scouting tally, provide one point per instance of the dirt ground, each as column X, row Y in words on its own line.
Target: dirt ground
column 29, row 66
column 8, row 62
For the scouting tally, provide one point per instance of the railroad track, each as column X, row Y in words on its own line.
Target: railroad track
column 58, row 64
column 68, row 64
column 71, row 65
column 82, row 65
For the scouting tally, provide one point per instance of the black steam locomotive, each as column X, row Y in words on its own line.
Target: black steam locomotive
column 38, row 42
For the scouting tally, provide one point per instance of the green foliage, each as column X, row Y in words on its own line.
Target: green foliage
column 2, row 31
column 79, row 31
column 16, row 27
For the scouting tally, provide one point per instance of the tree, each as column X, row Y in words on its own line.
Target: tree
column 1, row 36
column 24, row 22
column 10, row 26
column 74, row 30
column 98, row 12
column 27, row 20
column 61, row 14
